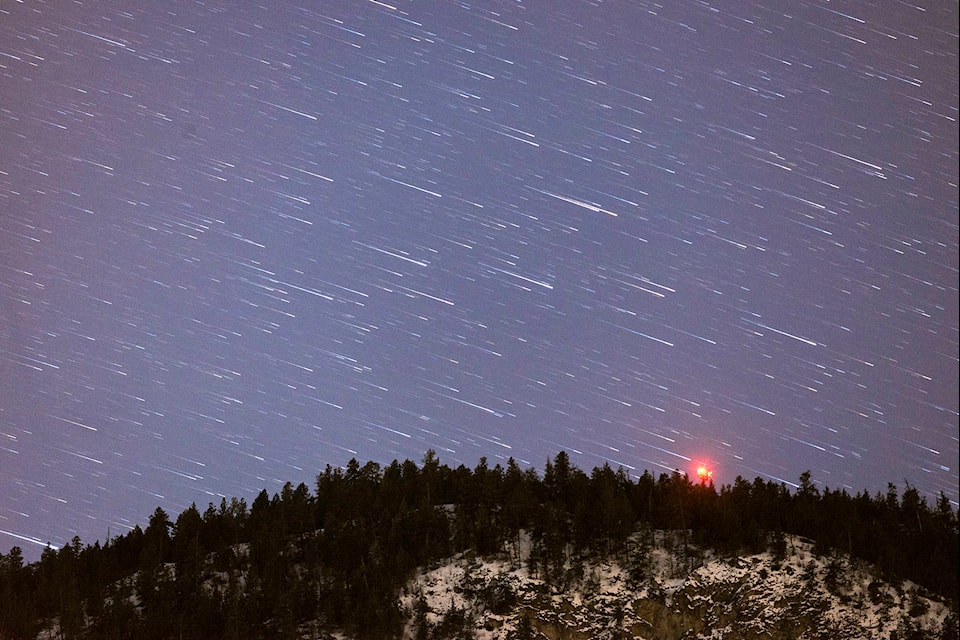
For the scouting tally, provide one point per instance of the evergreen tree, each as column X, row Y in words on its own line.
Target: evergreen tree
column 16, row 597
column 524, row 630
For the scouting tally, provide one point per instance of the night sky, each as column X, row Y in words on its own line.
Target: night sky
column 239, row 243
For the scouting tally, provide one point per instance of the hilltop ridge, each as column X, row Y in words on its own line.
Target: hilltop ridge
column 345, row 558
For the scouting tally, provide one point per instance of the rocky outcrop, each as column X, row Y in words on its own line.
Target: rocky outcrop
column 800, row 597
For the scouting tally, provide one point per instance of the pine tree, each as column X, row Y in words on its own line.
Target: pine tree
column 524, row 630
column 16, row 601
column 156, row 540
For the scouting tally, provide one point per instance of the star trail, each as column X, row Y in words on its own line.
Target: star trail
column 240, row 242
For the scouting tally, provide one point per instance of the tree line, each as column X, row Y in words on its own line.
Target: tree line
column 339, row 554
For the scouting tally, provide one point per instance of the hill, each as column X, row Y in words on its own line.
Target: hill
column 500, row 552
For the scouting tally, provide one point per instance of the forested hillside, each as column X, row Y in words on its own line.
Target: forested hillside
column 341, row 552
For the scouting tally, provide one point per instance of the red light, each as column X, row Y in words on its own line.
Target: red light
column 704, row 474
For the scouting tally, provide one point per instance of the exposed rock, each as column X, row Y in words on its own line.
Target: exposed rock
column 751, row 598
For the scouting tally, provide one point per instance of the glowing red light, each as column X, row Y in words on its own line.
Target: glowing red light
column 704, row 474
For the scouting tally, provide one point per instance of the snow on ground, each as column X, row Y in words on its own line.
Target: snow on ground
column 716, row 598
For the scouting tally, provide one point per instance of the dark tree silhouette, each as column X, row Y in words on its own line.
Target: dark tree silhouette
column 342, row 554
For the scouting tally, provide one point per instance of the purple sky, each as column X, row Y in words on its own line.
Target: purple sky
column 239, row 243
